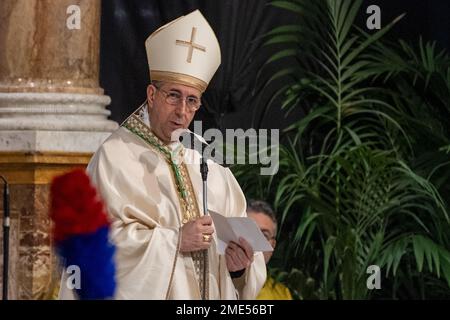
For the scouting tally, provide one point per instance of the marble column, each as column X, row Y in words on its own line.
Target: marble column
column 53, row 116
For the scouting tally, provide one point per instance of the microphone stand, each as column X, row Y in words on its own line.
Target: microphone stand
column 204, row 174
column 5, row 237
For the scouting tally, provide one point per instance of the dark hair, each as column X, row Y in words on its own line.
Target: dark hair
column 263, row 207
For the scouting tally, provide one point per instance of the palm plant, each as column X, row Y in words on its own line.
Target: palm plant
column 354, row 189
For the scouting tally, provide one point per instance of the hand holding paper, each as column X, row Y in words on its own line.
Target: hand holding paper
column 230, row 229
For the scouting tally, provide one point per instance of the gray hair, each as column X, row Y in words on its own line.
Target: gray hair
column 157, row 84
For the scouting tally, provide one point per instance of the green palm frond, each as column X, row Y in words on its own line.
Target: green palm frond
column 427, row 254
column 363, row 175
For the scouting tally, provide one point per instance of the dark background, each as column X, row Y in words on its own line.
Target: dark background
column 229, row 101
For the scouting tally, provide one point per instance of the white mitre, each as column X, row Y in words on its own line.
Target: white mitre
column 184, row 51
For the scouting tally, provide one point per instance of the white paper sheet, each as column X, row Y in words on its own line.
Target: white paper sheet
column 231, row 229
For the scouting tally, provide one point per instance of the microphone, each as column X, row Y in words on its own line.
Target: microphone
column 190, row 141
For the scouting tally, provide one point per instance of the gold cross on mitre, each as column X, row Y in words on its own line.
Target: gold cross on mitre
column 191, row 45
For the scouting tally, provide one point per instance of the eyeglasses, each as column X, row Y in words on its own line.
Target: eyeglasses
column 174, row 98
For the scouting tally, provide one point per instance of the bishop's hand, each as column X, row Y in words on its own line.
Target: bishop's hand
column 197, row 234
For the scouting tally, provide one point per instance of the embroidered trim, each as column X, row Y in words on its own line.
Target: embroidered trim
column 135, row 125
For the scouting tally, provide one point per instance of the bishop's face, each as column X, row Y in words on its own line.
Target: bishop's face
column 171, row 106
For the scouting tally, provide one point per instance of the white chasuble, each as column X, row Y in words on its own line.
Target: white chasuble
column 150, row 191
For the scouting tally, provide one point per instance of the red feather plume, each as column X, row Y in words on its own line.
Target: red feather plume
column 75, row 206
